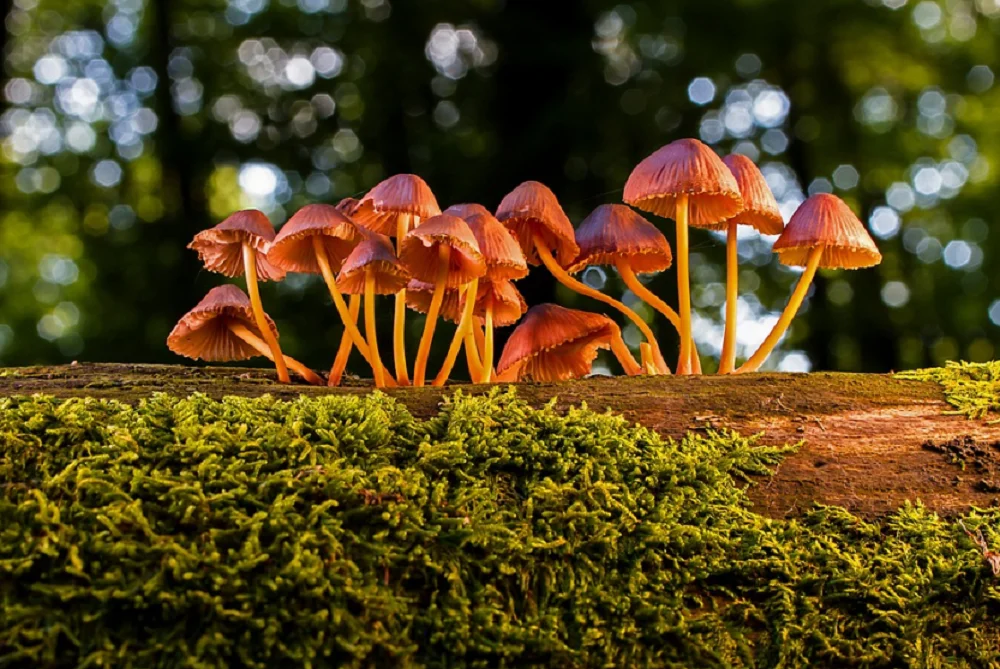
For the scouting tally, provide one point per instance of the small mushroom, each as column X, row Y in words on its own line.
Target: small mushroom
column 685, row 180
column 394, row 207
column 222, row 328
column 372, row 269
column 823, row 232
column 553, row 343
column 238, row 246
column 761, row 213
column 444, row 252
column 533, row 215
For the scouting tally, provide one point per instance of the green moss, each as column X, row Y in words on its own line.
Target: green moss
column 342, row 531
column 973, row 388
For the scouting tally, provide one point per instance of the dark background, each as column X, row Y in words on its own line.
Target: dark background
column 130, row 125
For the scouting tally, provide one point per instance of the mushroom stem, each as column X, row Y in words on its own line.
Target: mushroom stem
column 472, row 358
column 399, row 322
column 250, row 269
column 346, row 344
column 463, row 326
column 794, row 302
column 625, row 358
column 653, row 300
column 377, row 368
column 564, row 278
column 488, row 343
column 350, row 325
column 683, row 285
column 423, row 352
column 244, row 333
column 727, row 361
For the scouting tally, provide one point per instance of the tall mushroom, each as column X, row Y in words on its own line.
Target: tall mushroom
column 616, row 235
column 346, row 206
column 444, row 252
column 533, row 215
column 761, row 213
column 238, row 246
column 372, row 269
column 394, row 207
column 316, row 240
column 685, row 180
column 553, row 343
column 505, row 262
column 223, row 328
column 823, row 232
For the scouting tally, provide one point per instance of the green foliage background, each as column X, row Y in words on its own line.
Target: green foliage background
column 476, row 96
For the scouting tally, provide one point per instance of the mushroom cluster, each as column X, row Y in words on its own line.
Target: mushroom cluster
column 460, row 265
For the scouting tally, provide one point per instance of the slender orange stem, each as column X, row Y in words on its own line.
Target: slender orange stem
column 350, row 325
column 488, row 343
column 424, row 350
column 399, row 322
column 794, row 302
column 346, row 344
column 250, row 269
column 564, row 278
column 244, row 333
column 456, row 343
column 683, row 284
column 625, row 358
column 472, row 359
column 370, row 328
column 727, row 361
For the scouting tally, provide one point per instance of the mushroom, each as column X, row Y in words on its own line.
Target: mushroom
column 553, row 343
column 685, row 180
column 761, row 213
column 223, row 328
column 372, row 269
column 533, row 215
column 616, row 235
column 394, row 207
column 238, row 245
column 316, row 240
column 823, row 232
column 505, row 262
column 444, row 252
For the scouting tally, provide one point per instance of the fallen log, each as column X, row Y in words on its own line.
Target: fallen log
column 868, row 442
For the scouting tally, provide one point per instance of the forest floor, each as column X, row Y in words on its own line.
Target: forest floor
column 867, row 442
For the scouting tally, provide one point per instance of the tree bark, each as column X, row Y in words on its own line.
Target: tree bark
column 862, row 436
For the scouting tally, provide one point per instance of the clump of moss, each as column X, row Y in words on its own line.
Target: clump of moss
column 340, row 531
column 973, row 388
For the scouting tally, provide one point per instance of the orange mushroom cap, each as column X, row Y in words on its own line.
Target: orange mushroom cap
column 399, row 194
column 532, row 208
column 760, row 209
column 553, row 343
column 685, row 166
column 614, row 232
column 501, row 252
column 419, row 251
column 221, row 248
column 373, row 252
column 508, row 303
column 292, row 249
column 826, row 220
column 420, row 293
column 203, row 332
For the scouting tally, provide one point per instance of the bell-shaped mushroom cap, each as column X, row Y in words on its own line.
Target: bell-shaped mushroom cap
column 685, row 166
column 399, row 194
column 374, row 253
column 203, row 332
column 221, row 248
column 419, row 251
column 467, row 210
column 532, row 208
column 501, row 252
column 760, row 209
column 420, row 293
column 825, row 219
column 614, row 232
column 292, row 249
column 508, row 303
column 553, row 343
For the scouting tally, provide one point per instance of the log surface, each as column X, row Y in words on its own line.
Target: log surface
column 864, row 437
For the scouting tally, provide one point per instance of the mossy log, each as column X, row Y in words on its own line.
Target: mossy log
column 868, row 442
